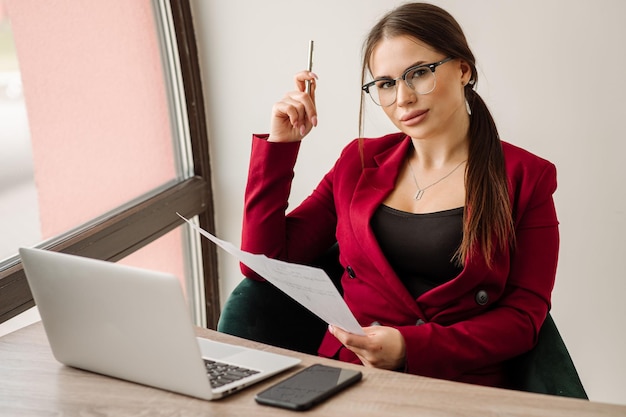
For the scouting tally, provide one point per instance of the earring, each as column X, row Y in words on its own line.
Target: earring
column 468, row 108
column 470, row 82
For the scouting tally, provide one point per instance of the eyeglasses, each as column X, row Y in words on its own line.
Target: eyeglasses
column 420, row 78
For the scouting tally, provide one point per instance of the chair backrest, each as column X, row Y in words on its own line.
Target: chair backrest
column 259, row 311
column 547, row 368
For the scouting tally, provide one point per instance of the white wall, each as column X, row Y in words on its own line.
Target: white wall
column 554, row 75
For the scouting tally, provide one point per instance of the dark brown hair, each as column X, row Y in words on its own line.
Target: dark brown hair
column 488, row 220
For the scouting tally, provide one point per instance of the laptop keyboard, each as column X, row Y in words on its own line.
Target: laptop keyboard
column 222, row 373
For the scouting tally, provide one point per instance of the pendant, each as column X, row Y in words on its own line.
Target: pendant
column 419, row 194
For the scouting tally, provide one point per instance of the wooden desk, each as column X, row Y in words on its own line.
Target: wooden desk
column 33, row 383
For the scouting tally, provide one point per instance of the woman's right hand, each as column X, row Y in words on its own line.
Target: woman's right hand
column 295, row 115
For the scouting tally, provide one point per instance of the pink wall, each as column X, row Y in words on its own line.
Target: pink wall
column 97, row 110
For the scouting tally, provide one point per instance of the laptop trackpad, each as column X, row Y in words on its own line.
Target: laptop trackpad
column 217, row 350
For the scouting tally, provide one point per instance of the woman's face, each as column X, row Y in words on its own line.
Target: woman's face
column 440, row 112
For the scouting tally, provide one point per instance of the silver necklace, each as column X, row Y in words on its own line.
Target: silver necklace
column 420, row 191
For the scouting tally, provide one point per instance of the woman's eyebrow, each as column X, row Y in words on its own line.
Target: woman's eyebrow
column 415, row 64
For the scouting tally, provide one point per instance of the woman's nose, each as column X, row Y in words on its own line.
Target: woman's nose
column 404, row 94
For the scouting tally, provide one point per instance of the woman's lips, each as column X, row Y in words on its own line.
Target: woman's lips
column 413, row 118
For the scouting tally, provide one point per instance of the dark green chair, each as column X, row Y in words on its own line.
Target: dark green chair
column 259, row 311
column 548, row 368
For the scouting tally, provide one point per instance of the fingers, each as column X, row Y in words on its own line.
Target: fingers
column 301, row 80
column 381, row 347
column 295, row 115
column 355, row 343
column 349, row 340
column 300, row 110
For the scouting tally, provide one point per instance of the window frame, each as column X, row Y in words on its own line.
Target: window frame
column 121, row 233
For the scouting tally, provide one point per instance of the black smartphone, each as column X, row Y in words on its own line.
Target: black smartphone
column 308, row 387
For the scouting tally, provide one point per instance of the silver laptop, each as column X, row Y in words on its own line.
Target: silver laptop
column 134, row 324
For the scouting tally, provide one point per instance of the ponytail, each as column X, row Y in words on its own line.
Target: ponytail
column 488, row 220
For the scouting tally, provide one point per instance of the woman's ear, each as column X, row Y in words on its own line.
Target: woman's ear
column 467, row 77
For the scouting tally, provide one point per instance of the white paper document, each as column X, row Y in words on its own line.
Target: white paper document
column 309, row 286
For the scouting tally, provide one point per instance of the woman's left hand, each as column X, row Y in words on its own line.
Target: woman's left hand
column 381, row 347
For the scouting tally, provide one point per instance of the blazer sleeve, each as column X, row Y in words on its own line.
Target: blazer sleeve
column 300, row 236
column 508, row 327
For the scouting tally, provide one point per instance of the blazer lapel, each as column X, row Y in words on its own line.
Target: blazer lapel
column 376, row 182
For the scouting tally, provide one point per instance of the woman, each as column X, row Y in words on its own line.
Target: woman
column 448, row 236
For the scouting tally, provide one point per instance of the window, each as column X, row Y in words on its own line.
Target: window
column 17, row 181
column 135, row 216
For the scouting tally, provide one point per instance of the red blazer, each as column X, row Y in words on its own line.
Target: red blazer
column 462, row 330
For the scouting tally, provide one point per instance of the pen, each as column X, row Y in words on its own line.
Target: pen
column 309, row 67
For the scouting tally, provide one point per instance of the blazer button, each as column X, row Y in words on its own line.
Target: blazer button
column 482, row 297
column 351, row 272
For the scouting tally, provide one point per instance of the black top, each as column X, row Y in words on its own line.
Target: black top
column 420, row 247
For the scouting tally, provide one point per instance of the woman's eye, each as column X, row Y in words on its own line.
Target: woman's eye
column 417, row 73
column 385, row 84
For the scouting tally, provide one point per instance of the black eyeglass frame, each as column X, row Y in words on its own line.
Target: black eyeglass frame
column 431, row 67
